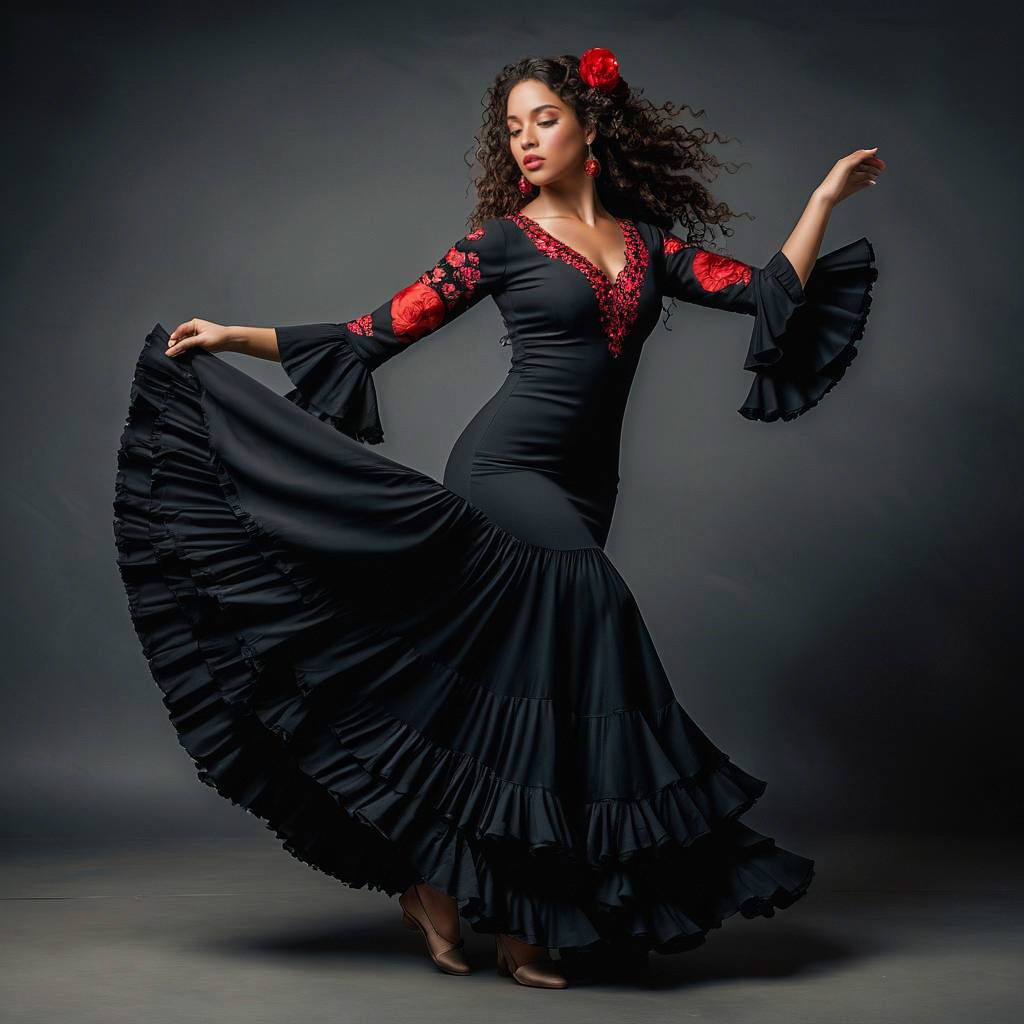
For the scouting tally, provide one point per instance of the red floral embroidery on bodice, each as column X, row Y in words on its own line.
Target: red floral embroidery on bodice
column 712, row 270
column 618, row 300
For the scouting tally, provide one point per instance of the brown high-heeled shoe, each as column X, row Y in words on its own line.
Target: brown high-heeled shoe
column 447, row 955
column 541, row 972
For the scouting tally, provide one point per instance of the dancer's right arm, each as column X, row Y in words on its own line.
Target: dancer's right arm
column 260, row 342
column 331, row 364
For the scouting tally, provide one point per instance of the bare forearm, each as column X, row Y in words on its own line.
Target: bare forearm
column 260, row 342
column 804, row 243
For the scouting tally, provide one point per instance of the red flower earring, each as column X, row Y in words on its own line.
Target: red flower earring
column 525, row 186
column 592, row 166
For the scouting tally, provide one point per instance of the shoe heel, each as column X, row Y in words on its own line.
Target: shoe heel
column 503, row 968
column 410, row 922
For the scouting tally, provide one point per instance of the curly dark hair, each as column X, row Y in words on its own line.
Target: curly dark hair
column 651, row 169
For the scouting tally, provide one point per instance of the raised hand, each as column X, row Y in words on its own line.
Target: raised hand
column 850, row 174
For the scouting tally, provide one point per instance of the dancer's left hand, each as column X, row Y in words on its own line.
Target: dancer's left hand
column 850, row 174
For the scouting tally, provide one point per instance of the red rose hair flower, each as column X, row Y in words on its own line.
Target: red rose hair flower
column 600, row 69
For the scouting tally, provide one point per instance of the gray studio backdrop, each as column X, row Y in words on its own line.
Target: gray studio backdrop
column 834, row 598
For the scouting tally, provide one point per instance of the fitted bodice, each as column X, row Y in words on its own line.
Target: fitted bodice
column 576, row 339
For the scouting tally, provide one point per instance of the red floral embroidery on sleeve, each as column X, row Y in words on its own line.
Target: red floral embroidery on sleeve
column 361, row 325
column 415, row 311
column 455, row 276
column 672, row 243
column 438, row 293
column 712, row 270
column 444, row 289
column 715, row 272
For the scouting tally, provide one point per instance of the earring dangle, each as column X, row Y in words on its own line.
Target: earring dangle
column 525, row 186
column 592, row 166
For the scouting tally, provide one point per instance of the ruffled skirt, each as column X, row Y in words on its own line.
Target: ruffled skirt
column 403, row 691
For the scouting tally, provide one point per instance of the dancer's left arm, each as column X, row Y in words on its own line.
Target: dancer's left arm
column 808, row 310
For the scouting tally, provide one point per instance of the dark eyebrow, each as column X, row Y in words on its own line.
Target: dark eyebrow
column 543, row 106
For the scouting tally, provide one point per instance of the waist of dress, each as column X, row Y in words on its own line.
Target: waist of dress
column 574, row 475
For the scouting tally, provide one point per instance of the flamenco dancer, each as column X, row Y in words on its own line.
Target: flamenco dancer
column 445, row 691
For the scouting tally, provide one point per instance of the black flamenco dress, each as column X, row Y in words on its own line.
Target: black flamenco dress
column 411, row 680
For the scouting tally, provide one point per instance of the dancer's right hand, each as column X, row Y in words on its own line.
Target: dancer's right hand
column 201, row 334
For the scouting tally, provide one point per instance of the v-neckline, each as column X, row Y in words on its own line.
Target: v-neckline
column 618, row 301
column 564, row 247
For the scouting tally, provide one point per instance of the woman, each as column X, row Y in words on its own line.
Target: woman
column 445, row 690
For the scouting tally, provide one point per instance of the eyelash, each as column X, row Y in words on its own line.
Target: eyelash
column 545, row 123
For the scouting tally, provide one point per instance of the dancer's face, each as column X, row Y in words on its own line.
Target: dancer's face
column 541, row 124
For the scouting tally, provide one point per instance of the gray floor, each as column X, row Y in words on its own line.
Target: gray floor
column 228, row 930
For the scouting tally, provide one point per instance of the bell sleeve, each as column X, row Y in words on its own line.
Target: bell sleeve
column 331, row 364
column 803, row 337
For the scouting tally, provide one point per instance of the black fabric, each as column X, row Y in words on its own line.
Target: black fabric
column 802, row 351
column 407, row 678
column 335, row 385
